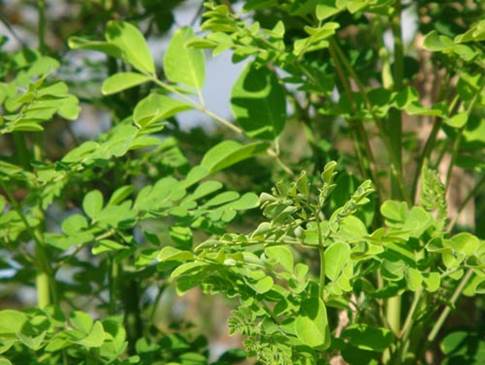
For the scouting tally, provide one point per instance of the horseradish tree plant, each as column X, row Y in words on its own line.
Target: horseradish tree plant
column 327, row 209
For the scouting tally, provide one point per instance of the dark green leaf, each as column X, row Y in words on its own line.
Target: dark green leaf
column 258, row 102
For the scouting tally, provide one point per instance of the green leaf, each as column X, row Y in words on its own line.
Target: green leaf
column 245, row 202
column 169, row 253
column 352, row 230
column 156, row 107
column 81, row 322
column 464, row 243
column 93, row 203
column 27, row 126
column 414, row 279
column 187, row 267
column 122, row 81
column 182, row 63
column 369, row 338
column 70, row 108
column 11, row 321
column 281, row 255
column 417, row 221
column 228, row 153
column 4, row 361
column 204, row 189
column 132, row 44
column 353, row 6
column 435, row 42
column 337, row 256
column 33, row 333
column 394, row 210
column 453, row 341
column 457, row 121
column 106, row 246
column 476, row 285
column 263, row 285
column 95, row 338
column 196, row 174
column 326, row 9
column 432, row 281
column 222, row 198
column 311, row 324
column 104, row 47
column 74, row 224
column 258, row 102
column 476, row 33
column 120, row 194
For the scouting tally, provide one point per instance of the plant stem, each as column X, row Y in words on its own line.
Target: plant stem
column 377, row 121
column 133, row 320
column 44, row 277
column 321, row 251
column 444, row 315
column 322, row 273
column 398, row 46
column 21, row 151
column 361, row 138
column 156, row 303
column 393, row 313
column 408, row 323
column 394, row 133
column 283, row 166
column 113, row 285
column 200, row 107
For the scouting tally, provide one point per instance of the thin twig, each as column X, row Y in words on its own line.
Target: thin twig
column 444, row 315
column 198, row 106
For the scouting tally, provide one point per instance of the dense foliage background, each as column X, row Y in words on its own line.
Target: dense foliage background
column 239, row 182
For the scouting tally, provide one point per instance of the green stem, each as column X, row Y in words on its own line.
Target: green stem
column 321, row 251
column 446, row 312
column 133, row 320
column 368, row 165
column 21, row 150
column 202, row 108
column 394, row 133
column 379, row 124
column 156, row 303
column 398, row 46
column 275, row 154
column 393, row 313
column 44, row 277
column 198, row 106
column 394, row 123
column 408, row 323
column 113, row 286
column 322, row 273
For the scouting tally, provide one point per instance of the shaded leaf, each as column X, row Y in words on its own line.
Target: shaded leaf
column 258, row 102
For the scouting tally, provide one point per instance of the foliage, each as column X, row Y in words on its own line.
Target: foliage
column 319, row 210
